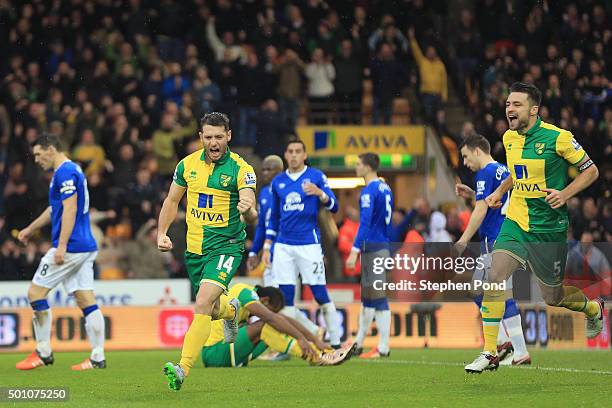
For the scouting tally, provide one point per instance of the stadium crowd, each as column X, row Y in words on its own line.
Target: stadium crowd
column 123, row 83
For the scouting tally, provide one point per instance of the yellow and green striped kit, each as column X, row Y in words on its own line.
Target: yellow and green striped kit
column 213, row 220
column 537, row 160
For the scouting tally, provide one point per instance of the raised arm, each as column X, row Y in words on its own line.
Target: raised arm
column 168, row 214
column 246, row 205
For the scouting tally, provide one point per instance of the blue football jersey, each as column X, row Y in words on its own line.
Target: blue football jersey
column 376, row 207
column 487, row 180
column 293, row 219
column 264, row 208
column 67, row 181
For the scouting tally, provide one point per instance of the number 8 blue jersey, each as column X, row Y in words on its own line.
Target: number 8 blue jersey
column 67, row 181
column 376, row 207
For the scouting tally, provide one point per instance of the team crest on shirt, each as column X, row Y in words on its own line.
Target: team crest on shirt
column 193, row 174
column 539, row 148
column 365, row 201
column 225, row 180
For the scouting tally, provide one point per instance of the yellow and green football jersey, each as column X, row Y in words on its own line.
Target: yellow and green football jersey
column 212, row 195
column 246, row 295
column 537, row 160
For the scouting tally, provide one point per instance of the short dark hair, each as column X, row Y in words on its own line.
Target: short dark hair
column 370, row 159
column 300, row 141
column 215, row 119
column 277, row 300
column 46, row 140
column 533, row 93
column 476, row 141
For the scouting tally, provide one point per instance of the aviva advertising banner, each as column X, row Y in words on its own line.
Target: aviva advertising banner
column 343, row 140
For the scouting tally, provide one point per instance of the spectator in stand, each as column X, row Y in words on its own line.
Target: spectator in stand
column 588, row 268
column 434, row 81
column 385, row 71
column 349, row 84
column 346, row 236
column 141, row 199
column 163, row 142
column 17, row 198
column 271, row 130
column 175, row 85
column 320, row 74
column 251, row 95
column 220, row 47
column 88, row 154
column 207, row 92
column 290, row 69
column 143, row 259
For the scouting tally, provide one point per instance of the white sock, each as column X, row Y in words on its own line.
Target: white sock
column 366, row 315
column 94, row 325
column 290, row 311
column 502, row 336
column 306, row 322
column 42, row 330
column 331, row 321
column 515, row 331
column 383, row 323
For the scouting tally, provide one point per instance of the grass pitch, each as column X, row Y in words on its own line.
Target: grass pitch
column 409, row 378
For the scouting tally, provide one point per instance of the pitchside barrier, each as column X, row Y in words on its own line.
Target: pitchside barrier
column 414, row 325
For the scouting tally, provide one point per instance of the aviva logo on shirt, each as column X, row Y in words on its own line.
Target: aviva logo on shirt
column 520, row 182
column 206, row 202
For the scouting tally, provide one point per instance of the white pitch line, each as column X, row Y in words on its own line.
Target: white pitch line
column 524, row 367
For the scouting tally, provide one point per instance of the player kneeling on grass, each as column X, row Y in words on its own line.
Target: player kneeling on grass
column 273, row 330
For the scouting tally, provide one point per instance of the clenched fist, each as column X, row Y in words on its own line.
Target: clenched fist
column 245, row 204
column 164, row 243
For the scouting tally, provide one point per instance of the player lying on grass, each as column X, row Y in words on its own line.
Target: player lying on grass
column 274, row 330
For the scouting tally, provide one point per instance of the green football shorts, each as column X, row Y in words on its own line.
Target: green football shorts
column 237, row 354
column 218, row 266
column 544, row 252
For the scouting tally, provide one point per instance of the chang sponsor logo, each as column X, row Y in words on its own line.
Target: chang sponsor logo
column 293, row 202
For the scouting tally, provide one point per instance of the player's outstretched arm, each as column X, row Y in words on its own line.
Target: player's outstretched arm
column 42, row 220
column 321, row 345
column 588, row 174
column 168, row 214
column 494, row 200
column 246, row 205
column 280, row 323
